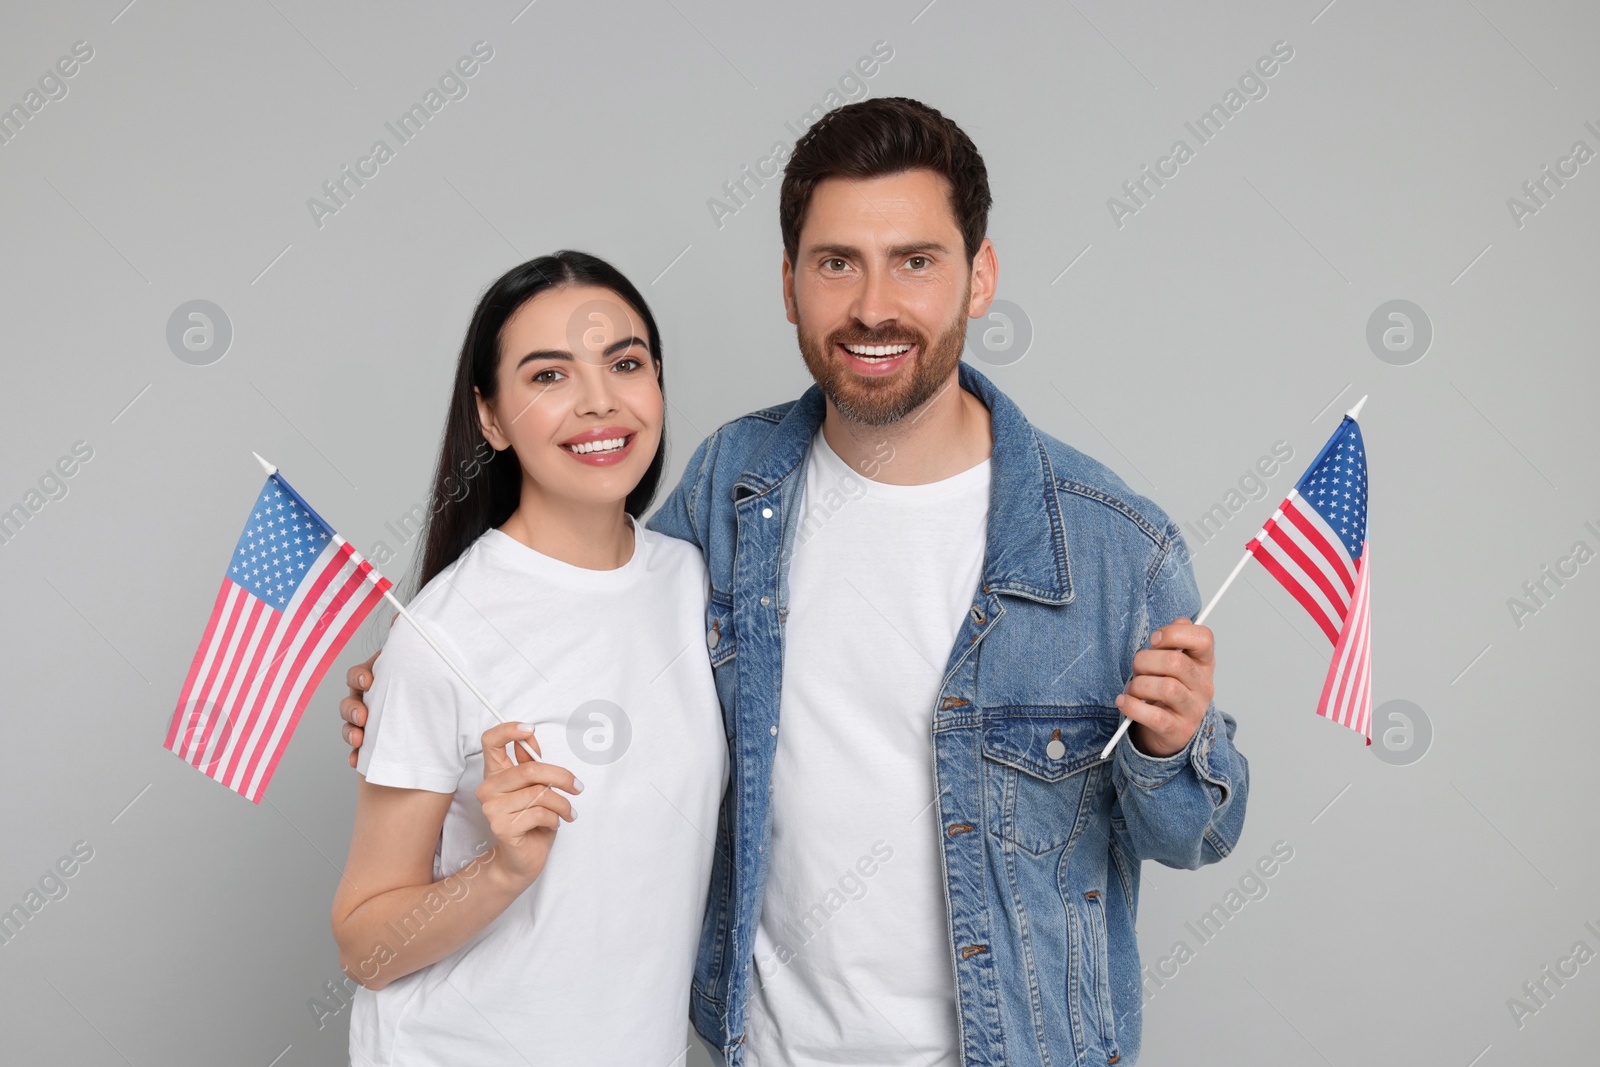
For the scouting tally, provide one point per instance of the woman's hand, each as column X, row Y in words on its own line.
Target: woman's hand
column 521, row 803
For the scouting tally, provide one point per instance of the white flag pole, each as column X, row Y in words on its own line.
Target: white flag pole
column 372, row 575
column 1237, row 567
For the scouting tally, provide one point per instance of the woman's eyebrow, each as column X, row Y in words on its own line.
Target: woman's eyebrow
column 560, row 353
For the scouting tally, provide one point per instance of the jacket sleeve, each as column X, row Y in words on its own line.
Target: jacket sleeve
column 683, row 513
column 1187, row 809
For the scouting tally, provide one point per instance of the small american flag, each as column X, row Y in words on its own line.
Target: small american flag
column 1315, row 545
column 294, row 593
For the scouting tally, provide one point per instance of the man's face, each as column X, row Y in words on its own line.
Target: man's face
column 880, row 292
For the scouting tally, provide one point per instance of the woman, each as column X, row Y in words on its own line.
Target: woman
column 478, row 936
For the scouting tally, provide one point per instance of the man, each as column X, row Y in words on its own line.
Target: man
column 926, row 616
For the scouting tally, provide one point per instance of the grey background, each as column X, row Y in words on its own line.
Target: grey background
column 1230, row 312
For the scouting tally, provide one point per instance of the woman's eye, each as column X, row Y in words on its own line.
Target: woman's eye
column 543, row 377
column 627, row 363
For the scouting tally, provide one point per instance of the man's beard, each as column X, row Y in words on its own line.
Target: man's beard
column 881, row 402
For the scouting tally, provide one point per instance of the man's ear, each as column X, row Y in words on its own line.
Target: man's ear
column 788, row 291
column 985, row 280
column 489, row 425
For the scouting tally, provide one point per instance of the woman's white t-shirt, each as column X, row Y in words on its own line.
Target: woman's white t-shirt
column 592, row 963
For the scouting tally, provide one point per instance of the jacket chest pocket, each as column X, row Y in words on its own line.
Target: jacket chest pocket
column 1041, row 786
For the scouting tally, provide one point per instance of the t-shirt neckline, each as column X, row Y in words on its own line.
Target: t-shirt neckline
column 534, row 563
column 955, row 484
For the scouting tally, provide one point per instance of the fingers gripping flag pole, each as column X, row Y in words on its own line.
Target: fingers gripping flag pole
column 294, row 593
column 1315, row 545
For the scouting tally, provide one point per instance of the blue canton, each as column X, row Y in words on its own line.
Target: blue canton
column 278, row 546
column 1336, row 486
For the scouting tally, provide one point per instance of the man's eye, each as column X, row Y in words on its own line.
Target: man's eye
column 829, row 263
column 918, row 262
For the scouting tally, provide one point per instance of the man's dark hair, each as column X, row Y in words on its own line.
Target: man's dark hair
column 872, row 138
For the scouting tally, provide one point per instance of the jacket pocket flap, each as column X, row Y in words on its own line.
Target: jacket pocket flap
column 1048, row 742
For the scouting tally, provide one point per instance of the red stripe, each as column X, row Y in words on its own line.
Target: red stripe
column 320, row 582
column 275, row 707
column 207, row 699
column 199, row 658
column 1281, row 537
column 314, row 680
column 1347, row 654
column 1316, row 537
column 267, row 633
column 1287, row 580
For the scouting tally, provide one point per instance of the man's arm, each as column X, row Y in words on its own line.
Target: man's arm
column 1181, row 784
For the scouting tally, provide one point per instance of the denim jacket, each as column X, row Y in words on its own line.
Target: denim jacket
column 1042, row 839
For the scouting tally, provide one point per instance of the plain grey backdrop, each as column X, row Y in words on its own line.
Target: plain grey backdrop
column 1404, row 153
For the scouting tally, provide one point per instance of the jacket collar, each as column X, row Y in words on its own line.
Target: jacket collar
column 1026, row 549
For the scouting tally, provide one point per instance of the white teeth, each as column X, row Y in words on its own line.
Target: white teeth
column 609, row 444
column 877, row 353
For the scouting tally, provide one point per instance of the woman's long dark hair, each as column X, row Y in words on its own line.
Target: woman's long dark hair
column 474, row 488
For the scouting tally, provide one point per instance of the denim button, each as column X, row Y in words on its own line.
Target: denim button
column 766, row 513
column 774, row 730
column 712, row 637
column 765, row 601
column 1055, row 749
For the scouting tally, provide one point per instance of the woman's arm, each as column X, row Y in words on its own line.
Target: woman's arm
column 390, row 917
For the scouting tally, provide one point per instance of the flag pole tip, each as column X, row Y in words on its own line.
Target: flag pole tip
column 1355, row 412
column 269, row 468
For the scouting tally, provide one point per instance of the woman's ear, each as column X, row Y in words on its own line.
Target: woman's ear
column 489, row 425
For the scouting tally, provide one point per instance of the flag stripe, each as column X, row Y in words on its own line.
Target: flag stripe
column 1286, row 544
column 207, row 700
column 263, row 626
column 309, row 682
column 217, row 610
column 309, row 594
column 348, row 579
column 1297, row 590
column 1338, row 560
column 1315, row 547
column 1349, row 675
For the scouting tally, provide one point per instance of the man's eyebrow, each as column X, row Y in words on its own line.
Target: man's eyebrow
column 896, row 252
column 612, row 349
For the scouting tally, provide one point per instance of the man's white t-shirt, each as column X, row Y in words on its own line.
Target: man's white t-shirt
column 592, row 963
column 852, row 952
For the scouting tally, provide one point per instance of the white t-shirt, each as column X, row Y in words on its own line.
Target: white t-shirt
column 592, row 963
column 852, row 953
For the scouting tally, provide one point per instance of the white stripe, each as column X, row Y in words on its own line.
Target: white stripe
column 1364, row 666
column 1351, row 666
column 1314, row 517
column 296, row 684
column 1298, row 573
column 246, row 638
column 199, row 696
column 237, row 739
column 1320, row 561
column 252, row 745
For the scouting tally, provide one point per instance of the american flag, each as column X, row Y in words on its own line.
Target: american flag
column 294, row 593
column 1315, row 545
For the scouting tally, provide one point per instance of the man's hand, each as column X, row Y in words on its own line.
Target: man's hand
column 353, row 710
column 1170, row 689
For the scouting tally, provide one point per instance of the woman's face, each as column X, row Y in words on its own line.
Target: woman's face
column 578, row 398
